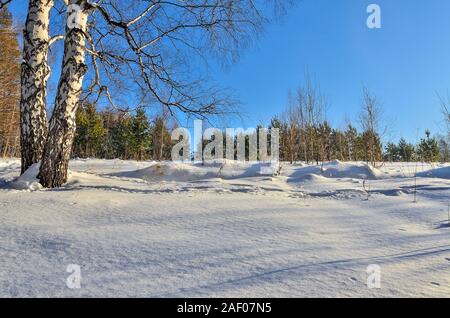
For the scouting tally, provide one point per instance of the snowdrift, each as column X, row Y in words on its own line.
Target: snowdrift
column 333, row 169
column 185, row 172
column 354, row 170
column 169, row 171
column 6, row 163
column 441, row 173
column 309, row 178
column 28, row 181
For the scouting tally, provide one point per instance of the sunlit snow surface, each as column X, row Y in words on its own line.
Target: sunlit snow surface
column 226, row 229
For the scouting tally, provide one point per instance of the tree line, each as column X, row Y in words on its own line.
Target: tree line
column 110, row 134
column 306, row 136
column 9, row 87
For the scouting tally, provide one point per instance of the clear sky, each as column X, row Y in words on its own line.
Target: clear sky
column 405, row 63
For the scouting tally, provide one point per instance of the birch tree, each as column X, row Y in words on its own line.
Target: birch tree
column 35, row 74
column 58, row 148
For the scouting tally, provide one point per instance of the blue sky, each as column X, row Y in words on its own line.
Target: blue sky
column 405, row 63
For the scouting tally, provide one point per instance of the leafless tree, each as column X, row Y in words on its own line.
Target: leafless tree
column 292, row 119
column 314, row 108
column 445, row 108
column 370, row 119
column 301, row 120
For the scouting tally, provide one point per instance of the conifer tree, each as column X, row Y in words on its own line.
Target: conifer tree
column 90, row 133
column 428, row 148
column 406, row 151
column 141, row 139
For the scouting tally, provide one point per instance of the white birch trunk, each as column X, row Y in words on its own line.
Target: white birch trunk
column 35, row 74
column 53, row 171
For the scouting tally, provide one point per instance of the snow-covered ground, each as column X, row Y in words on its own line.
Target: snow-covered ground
column 174, row 230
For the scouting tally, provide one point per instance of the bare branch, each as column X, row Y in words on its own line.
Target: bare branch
column 151, row 50
column 139, row 17
column 4, row 3
column 55, row 39
column 445, row 108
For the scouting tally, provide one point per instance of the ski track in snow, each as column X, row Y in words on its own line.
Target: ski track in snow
column 175, row 230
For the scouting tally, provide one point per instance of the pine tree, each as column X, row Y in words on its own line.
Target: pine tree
column 110, row 120
column 392, row 153
column 428, row 148
column 337, row 145
column 371, row 147
column 351, row 139
column 122, row 137
column 406, row 151
column 90, row 133
column 141, row 138
column 324, row 138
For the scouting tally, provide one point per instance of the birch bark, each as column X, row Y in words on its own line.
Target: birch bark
column 34, row 77
column 58, row 148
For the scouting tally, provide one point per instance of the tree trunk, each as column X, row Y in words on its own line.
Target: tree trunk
column 35, row 73
column 161, row 149
column 54, row 167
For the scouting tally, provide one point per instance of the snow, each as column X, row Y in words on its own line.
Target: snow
column 28, row 181
column 174, row 171
column 443, row 173
column 336, row 169
column 165, row 229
